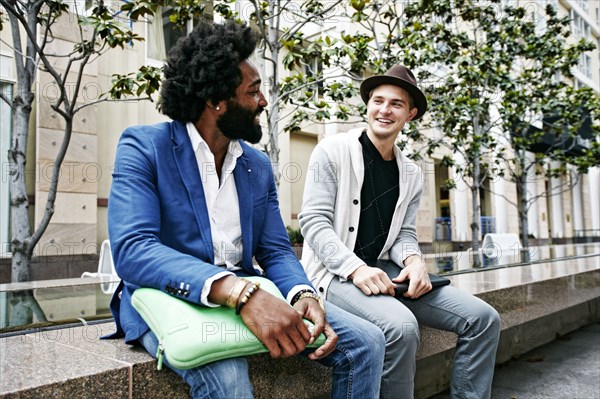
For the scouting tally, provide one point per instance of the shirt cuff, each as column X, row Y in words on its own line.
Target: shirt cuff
column 350, row 266
column 406, row 255
column 208, row 285
column 296, row 289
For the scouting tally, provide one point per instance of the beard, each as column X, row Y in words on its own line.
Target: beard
column 239, row 123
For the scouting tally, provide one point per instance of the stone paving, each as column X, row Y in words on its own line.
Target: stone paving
column 567, row 368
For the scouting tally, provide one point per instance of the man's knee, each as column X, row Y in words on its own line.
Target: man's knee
column 492, row 319
column 227, row 378
column 403, row 332
column 370, row 340
column 376, row 343
column 487, row 320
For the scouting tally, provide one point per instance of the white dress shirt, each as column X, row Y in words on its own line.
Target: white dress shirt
column 222, row 205
column 223, row 210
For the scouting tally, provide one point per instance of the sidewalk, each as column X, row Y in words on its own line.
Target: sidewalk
column 567, row 368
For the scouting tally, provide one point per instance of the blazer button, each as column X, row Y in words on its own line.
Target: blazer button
column 321, row 289
column 351, row 229
column 355, row 202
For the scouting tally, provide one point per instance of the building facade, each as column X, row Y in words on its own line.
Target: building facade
column 79, row 224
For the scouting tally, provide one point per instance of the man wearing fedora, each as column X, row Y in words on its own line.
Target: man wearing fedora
column 360, row 203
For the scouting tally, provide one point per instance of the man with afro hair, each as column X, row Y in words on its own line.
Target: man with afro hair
column 192, row 204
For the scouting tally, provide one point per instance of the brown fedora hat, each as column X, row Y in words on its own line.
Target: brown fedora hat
column 400, row 76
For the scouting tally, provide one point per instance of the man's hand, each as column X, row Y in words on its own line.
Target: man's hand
column 276, row 324
column 310, row 309
column 372, row 281
column 414, row 269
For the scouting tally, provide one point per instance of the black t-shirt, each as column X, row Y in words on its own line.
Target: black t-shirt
column 378, row 197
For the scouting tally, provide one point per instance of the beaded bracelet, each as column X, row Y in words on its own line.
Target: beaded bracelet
column 235, row 292
column 296, row 297
column 247, row 295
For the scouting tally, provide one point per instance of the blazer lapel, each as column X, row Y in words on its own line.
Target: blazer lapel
column 242, row 184
column 188, row 169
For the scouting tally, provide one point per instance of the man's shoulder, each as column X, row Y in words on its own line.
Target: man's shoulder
column 156, row 130
column 160, row 135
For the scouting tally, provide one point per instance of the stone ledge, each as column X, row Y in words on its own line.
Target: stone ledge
column 74, row 362
column 535, row 303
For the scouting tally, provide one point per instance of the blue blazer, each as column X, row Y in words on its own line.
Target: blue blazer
column 159, row 225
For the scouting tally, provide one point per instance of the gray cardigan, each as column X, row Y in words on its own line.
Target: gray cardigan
column 331, row 210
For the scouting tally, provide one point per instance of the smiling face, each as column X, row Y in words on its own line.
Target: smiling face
column 241, row 120
column 388, row 110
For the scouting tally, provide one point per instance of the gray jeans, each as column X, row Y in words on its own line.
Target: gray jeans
column 476, row 323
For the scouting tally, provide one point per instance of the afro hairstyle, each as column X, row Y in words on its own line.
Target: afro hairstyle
column 204, row 66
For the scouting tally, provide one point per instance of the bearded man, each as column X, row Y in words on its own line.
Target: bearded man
column 192, row 204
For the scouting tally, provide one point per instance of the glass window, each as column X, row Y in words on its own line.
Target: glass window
column 583, row 4
column 576, row 24
column 163, row 34
column 580, row 28
column 5, row 137
column 585, row 65
column 314, row 69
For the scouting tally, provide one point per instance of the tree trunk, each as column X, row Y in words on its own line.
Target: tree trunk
column 22, row 307
column 19, row 203
column 476, row 221
column 273, row 122
column 523, row 207
column 26, row 67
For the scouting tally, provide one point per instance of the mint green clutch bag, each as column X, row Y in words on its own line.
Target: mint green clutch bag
column 190, row 335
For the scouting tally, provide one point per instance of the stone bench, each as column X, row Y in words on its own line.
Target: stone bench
column 536, row 302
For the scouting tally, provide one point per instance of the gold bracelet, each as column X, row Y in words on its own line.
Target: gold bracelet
column 315, row 297
column 246, row 298
column 235, row 292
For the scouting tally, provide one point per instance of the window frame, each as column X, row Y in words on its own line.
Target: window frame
column 157, row 62
column 5, row 141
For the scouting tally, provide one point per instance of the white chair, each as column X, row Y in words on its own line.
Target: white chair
column 500, row 248
column 106, row 268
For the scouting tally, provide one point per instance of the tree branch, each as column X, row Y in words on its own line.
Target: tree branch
column 108, row 100
column 16, row 34
column 287, row 94
column 312, row 122
column 52, row 190
column 371, row 26
column 32, row 46
column 296, row 28
column 82, row 65
column 50, row 21
column 15, row 50
column 261, row 24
